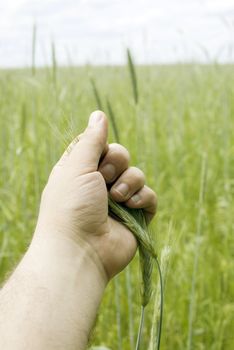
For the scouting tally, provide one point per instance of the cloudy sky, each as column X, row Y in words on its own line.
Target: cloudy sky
column 98, row 31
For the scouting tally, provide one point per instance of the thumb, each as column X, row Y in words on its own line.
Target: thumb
column 86, row 153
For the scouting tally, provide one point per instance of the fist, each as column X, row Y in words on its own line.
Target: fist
column 74, row 203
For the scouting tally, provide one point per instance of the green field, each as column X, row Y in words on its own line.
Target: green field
column 184, row 120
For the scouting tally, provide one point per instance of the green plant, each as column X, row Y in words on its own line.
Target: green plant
column 184, row 111
column 135, row 221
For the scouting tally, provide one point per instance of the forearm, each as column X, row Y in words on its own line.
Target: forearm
column 52, row 298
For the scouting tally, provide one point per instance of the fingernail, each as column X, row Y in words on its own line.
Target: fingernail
column 136, row 198
column 108, row 171
column 122, row 189
column 95, row 118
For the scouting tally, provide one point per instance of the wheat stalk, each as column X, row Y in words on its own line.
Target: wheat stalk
column 158, row 302
column 96, row 94
column 54, row 63
column 134, row 220
column 112, row 120
column 133, row 76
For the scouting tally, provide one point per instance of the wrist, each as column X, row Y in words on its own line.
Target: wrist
column 57, row 288
column 77, row 255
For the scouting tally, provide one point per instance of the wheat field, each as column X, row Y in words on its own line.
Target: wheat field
column 181, row 134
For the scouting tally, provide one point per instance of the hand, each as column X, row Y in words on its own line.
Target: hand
column 74, row 203
column 52, row 298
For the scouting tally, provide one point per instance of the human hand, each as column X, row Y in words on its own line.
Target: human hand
column 74, row 203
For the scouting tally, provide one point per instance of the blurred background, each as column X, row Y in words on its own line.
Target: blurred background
column 98, row 31
column 162, row 70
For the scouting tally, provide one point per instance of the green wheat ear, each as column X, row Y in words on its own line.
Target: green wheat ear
column 134, row 220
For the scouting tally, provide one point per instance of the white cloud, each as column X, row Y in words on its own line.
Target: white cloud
column 99, row 30
column 219, row 6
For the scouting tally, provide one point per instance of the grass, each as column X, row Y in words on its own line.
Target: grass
column 196, row 251
column 182, row 112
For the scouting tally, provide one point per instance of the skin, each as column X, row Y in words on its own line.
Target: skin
column 52, row 298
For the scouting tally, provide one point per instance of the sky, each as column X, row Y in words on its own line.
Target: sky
column 99, row 31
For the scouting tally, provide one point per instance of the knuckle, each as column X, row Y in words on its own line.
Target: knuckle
column 137, row 173
column 119, row 149
column 95, row 140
